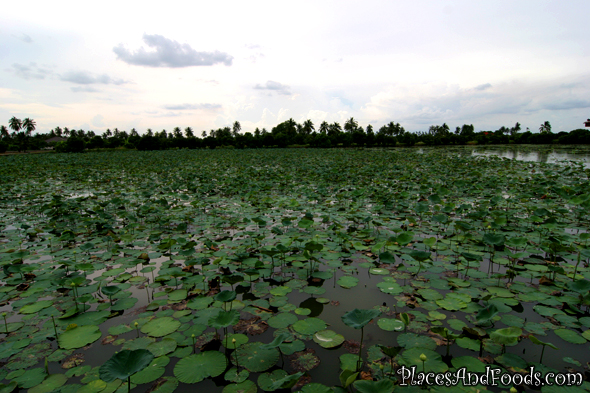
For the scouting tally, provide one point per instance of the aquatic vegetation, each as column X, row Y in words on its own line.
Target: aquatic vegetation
column 245, row 270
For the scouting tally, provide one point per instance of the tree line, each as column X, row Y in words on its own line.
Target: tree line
column 286, row 134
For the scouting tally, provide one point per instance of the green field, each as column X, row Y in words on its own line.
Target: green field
column 260, row 270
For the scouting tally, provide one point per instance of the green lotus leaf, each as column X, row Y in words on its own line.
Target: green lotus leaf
column 224, row 319
column 309, row 326
column 199, row 303
column 391, row 288
column 196, row 368
column 110, row 290
column 387, row 257
column 124, row 304
column 382, row 386
column 32, row 377
column 580, row 286
column 506, row 336
column 390, row 324
column 226, row 296
column 95, row 386
column 470, row 363
column 266, row 380
column 358, row 318
column 278, row 340
column 35, row 307
column 163, row 347
column 485, row 314
column 241, row 339
column 49, row 384
column 282, row 320
column 412, row 340
column 315, row 388
column 493, row 239
column 570, row 336
column 433, row 363
column 234, row 376
column 420, row 255
column 152, row 372
column 246, row 386
column 79, row 336
column 124, row 364
column 255, row 358
column 159, row 327
column 328, row 338
column 348, row 282
column 177, row 295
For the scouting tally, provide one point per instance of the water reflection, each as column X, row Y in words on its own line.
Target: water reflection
column 543, row 154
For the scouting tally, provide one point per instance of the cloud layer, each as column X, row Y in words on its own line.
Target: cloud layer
column 86, row 78
column 169, row 53
column 277, row 87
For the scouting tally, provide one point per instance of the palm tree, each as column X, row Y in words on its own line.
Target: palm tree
column 67, row 131
column 177, row 132
column 189, row 132
column 4, row 132
column 150, row 132
column 29, row 125
column 308, row 127
column 545, row 128
column 351, row 125
column 58, row 131
column 15, row 124
column 324, row 127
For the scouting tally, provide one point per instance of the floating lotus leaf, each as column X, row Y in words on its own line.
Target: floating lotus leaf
column 95, row 386
column 292, row 347
column 195, row 368
column 282, row 320
column 412, row 340
column 580, row 286
column 79, row 336
column 382, row 386
column 246, row 386
column 241, row 339
column 470, row 363
column 316, row 388
column 391, row 288
column 159, row 327
column 177, row 295
column 124, row 304
column 506, row 336
column 266, row 380
column 570, row 336
column 49, row 384
column 348, row 282
column 163, row 347
column 35, row 307
column 255, row 358
column 420, row 255
column 328, row 338
column 390, row 324
column 486, row 314
column 152, row 372
column 433, row 363
column 124, row 364
column 309, row 326
column 305, row 360
column 302, row 311
column 358, row 318
column 110, row 290
column 234, row 376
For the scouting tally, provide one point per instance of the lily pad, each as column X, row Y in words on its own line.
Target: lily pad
column 196, row 368
column 328, row 338
column 79, row 336
column 160, row 327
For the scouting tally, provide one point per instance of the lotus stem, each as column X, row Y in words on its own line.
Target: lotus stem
column 359, row 361
column 194, row 348
column 423, row 358
column 576, row 269
column 542, row 350
column 137, row 328
column 129, row 384
column 6, row 323
column 54, row 328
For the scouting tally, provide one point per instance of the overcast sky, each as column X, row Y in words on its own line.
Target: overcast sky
column 124, row 64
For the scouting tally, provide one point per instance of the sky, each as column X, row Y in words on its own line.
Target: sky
column 205, row 64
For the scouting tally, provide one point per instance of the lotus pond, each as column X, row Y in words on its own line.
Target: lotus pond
column 278, row 270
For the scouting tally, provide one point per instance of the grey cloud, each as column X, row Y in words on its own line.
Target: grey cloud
column 279, row 88
column 32, row 71
column 85, row 78
column 24, row 38
column 84, row 89
column 485, row 86
column 192, row 106
column 568, row 104
column 169, row 53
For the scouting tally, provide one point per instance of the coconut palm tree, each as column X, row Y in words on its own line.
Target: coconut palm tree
column 236, row 128
column 324, row 127
column 15, row 124
column 4, row 132
column 29, row 125
column 545, row 128
column 188, row 131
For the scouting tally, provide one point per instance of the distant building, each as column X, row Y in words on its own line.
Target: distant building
column 587, row 123
column 55, row 139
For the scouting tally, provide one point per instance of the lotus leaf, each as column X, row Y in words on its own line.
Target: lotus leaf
column 124, row 364
column 328, row 338
column 255, row 358
column 195, row 368
column 309, row 326
column 382, row 386
column 246, row 386
column 159, row 327
column 79, row 336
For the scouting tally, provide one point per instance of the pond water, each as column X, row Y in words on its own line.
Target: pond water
column 547, row 154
